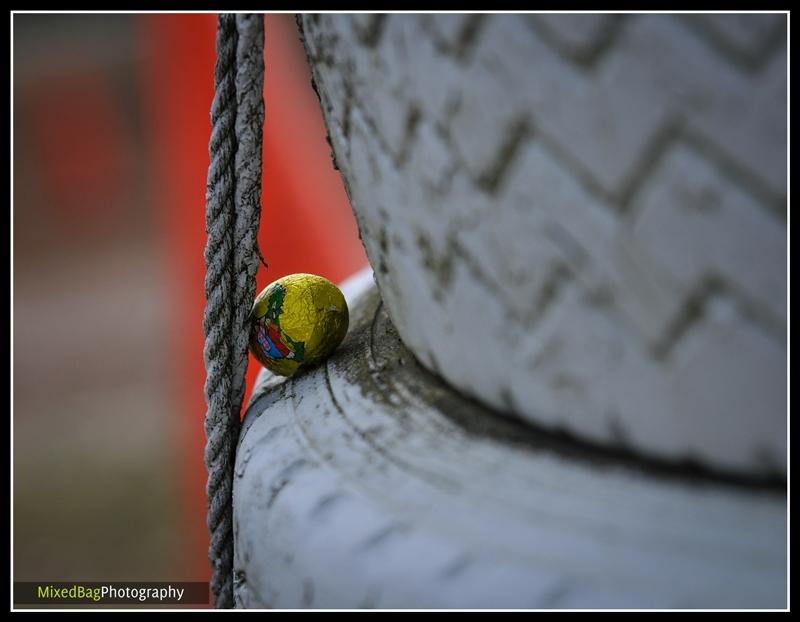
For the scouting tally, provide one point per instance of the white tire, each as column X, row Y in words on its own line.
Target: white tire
column 368, row 482
column 579, row 220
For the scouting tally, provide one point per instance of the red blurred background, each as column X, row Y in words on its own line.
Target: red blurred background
column 111, row 126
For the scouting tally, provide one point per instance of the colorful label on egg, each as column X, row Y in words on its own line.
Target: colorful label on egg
column 296, row 322
column 276, row 344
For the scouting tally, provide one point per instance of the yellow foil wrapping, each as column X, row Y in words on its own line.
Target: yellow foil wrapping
column 297, row 321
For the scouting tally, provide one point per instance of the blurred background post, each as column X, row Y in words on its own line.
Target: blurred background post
column 111, row 125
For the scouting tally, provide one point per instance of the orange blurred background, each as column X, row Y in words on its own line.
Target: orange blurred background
column 111, row 126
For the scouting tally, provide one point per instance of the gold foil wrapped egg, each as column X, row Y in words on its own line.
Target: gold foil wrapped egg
column 297, row 321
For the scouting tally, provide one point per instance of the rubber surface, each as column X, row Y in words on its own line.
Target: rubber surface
column 367, row 482
column 579, row 220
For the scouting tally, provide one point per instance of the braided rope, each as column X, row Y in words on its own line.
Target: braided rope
column 231, row 256
column 249, row 132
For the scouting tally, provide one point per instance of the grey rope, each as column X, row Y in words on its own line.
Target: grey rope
column 231, row 255
column 249, row 131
